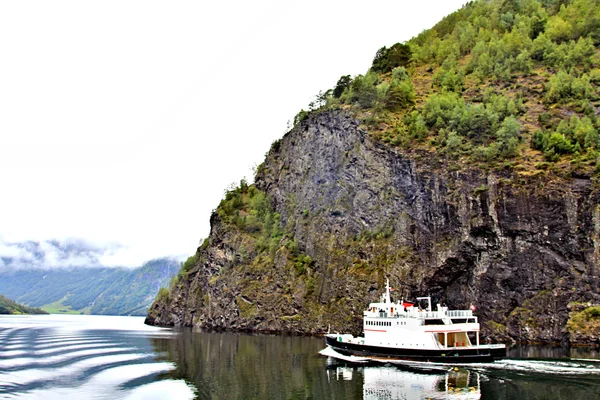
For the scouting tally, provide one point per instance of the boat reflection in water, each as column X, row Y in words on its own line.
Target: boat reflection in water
column 391, row 382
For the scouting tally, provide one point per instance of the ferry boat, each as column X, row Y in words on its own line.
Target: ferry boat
column 408, row 332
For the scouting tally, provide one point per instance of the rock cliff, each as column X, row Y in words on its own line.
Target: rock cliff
column 351, row 211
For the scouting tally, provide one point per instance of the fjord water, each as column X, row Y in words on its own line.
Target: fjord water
column 83, row 357
column 99, row 357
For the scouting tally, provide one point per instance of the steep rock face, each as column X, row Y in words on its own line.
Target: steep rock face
column 519, row 247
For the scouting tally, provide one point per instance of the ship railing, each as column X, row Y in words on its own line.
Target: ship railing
column 429, row 314
column 459, row 313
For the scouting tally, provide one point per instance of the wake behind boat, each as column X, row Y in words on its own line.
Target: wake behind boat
column 406, row 332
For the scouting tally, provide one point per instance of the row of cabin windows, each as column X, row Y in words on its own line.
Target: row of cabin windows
column 379, row 323
column 384, row 323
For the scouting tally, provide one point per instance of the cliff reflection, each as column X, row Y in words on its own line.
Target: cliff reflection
column 241, row 366
column 238, row 366
column 552, row 352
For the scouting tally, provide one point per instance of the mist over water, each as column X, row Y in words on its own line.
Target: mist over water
column 100, row 357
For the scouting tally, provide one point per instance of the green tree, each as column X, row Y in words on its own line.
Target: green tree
column 454, row 143
column 448, row 77
column 417, row 127
column 508, row 137
column 558, row 144
column 563, row 86
column 387, row 59
column 364, row 90
column 443, row 110
column 541, row 46
column 400, row 94
column 558, row 30
column 341, row 86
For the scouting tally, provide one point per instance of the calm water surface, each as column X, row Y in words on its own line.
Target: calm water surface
column 99, row 357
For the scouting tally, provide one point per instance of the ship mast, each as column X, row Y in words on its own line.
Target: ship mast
column 387, row 292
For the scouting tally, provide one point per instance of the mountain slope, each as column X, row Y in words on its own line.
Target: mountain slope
column 114, row 291
column 7, row 306
column 463, row 165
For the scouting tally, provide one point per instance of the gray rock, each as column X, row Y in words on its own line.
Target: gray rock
column 520, row 248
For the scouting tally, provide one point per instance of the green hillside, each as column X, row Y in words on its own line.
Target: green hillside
column 7, row 306
column 111, row 291
column 498, row 84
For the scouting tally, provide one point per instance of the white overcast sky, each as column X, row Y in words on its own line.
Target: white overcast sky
column 125, row 121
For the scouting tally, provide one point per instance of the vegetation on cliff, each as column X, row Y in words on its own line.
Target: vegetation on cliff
column 7, row 306
column 498, row 83
column 276, row 286
column 584, row 323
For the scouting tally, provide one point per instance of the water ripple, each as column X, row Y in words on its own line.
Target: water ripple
column 83, row 357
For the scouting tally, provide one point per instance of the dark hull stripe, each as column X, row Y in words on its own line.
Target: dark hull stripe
column 453, row 355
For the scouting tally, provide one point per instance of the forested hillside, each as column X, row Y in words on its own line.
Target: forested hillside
column 500, row 84
column 463, row 165
column 112, row 291
column 7, row 306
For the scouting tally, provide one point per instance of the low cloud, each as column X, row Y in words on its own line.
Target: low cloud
column 65, row 253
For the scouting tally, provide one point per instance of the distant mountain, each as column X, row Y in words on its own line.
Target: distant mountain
column 69, row 276
column 7, row 306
